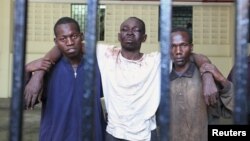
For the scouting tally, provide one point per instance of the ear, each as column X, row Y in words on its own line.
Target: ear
column 191, row 45
column 82, row 36
column 144, row 37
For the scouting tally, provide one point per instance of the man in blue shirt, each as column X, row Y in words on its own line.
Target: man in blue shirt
column 61, row 118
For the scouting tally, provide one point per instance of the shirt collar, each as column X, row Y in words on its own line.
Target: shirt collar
column 188, row 73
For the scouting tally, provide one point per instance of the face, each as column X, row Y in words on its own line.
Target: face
column 69, row 40
column 181, row 49
column 131, row 35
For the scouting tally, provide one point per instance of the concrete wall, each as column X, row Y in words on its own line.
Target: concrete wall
column 5, row 46
column 213, row 32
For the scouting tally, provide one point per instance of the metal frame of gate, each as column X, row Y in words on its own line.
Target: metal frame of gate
column 20, row 23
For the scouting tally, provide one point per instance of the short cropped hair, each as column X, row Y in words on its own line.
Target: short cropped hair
column 66, row 20
column 183, row 29
column 142, row 23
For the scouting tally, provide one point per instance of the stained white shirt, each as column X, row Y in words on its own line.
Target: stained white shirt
column 131, row 91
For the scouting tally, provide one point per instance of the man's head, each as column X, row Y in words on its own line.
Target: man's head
column 181, row 47
column 68, row 37
column 132, row 34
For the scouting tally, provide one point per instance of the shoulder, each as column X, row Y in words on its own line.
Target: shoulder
column 108, row 49
column 61, row 63
column 107, row 46
column 155, row 54
column 153, row 57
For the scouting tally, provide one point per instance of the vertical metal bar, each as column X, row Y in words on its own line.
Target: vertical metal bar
column 240, row 73
column 18, row 70
column 165, row 28
column 89, row 71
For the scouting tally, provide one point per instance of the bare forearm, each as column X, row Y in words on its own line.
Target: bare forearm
column 210, row 90
column 200, row 59
column 39, row 67
column 54, row 54
column 27, row 76
column 38, row 75
column 217, row 75
column 33, row 88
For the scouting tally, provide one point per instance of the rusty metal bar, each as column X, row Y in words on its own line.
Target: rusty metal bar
column 89, row 70
column 240, row 73
column 18, row 70
column 165, row 29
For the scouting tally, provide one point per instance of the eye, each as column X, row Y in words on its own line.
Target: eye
column 173, row 46
column 184, row 45
column 124, row 29
column 75, row 36
column 62, row 39
column 137, row 30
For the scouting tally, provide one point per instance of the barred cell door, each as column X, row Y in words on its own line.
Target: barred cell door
column 20, row 17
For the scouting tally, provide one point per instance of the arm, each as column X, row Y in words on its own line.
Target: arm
column 200, row 59
column 224, row 84
column 225, row 105
column 27, row 75
column 210, row 90
column 36, row 65
column 39, row 64
column 54, row 54
column 34, row 86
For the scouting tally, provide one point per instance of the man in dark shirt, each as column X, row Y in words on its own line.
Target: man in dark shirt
column 62, row 102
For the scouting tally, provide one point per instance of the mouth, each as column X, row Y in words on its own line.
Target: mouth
column 179, row 59
column 71, row 50
column 129, row 40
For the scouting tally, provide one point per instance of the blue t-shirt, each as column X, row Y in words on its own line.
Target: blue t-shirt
column 61, row 118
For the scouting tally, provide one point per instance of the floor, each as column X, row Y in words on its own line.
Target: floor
column 31, row 119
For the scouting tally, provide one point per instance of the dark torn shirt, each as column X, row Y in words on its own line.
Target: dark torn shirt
column 189, row 113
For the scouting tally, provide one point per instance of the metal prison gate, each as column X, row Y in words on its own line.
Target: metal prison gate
column 20, row 17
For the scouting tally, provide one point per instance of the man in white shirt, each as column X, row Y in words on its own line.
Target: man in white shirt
column 131, row 84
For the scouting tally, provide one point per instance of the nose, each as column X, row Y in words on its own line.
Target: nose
column 69, row 41
column 178, row 50
column 130, row 31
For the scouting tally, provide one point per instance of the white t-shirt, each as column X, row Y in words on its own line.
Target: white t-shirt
column 131, row 91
